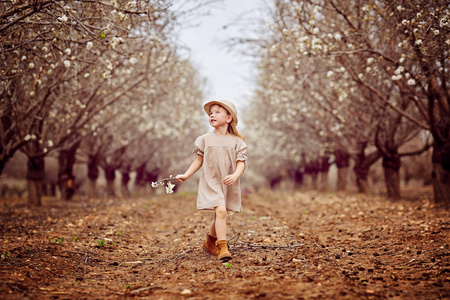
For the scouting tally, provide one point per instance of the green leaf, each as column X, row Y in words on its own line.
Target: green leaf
column 102, row 34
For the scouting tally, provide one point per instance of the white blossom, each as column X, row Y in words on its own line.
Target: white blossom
column 419, row 42
column 32, row 94
column 399, row 70
column 330, row 73
column 45, row 49
column 63, row 18
column 436, row 32
column 50, row 143
column 30, row 65
column 89, row 45
column 68, row 51
column 23, row 58
column 67, row 63
column 396, row 77
column 411, row 82
column 370, row 60
column 401, row 60
column 27, row 138
column 133, row 60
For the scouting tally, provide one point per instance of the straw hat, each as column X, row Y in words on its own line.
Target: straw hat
column 225, row 104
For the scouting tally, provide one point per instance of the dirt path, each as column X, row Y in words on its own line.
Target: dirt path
column 296, row 246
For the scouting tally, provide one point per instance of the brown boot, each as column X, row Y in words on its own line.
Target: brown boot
column 224, row 254
column 209, row 244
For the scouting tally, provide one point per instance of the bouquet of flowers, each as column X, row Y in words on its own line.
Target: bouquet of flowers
column 166, row 181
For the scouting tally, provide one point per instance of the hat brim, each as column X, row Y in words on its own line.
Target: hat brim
column 208, row 105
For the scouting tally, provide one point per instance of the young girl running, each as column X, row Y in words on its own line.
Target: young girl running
column 222, row 155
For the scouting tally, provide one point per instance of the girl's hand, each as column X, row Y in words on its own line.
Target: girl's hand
column 181, row 177
column 230, row 179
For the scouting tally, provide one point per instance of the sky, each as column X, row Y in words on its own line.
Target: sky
column 229, row 74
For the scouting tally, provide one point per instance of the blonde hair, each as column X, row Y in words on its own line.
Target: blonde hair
column 233, row 130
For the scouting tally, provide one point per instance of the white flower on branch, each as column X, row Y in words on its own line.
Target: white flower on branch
column 399, row 70
column 89, row 45
column 370, row 60
column 68, row 51
column 44, row 49
column 50, row 143
column 133, row 60
column 27, row 138
column 419, row 42
column 63, row 18
column 23, row 58
column 396, row 77
column 32, row 94
column 30, row 65
column 67, row 63
column 162, row 182
column 411, row 82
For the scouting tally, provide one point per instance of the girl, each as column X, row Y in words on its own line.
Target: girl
column 222, row 155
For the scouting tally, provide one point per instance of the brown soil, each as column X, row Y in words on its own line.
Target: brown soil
column 293, row 246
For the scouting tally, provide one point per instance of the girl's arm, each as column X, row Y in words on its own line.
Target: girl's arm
column 230, row 179
column 196, row 164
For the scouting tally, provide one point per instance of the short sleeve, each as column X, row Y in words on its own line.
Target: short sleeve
column 241, row 152
column 199, row 146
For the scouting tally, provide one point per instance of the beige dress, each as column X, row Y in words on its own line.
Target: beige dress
column 220, row 154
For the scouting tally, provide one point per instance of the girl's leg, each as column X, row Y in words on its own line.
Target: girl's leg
column 212, row 228
column 220, row 220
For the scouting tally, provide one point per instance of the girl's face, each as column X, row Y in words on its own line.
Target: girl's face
column 219, row 116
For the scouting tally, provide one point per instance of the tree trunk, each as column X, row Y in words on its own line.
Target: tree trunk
column 125, row 181
column 323, row 169
column 35, row 180
column 362, row 179
column 110, row 175
column 391, row 167
column 93, row 174
column 441, row 172
column 362, row 166
column 342, row 163
column 66, row 179
column 298, row 178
